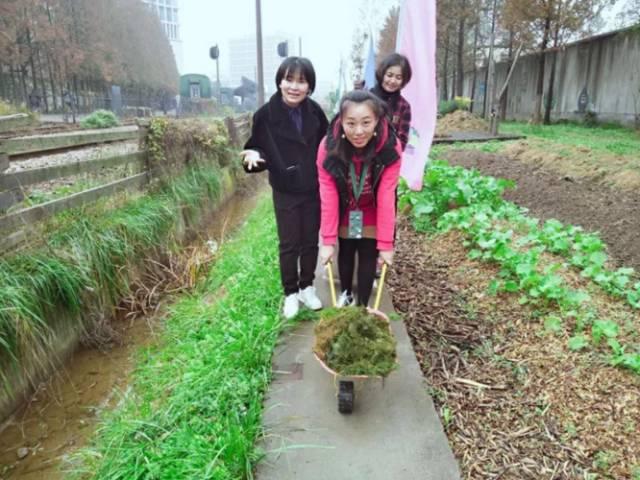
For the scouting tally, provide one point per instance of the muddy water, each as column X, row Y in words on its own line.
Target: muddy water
column 61, row 416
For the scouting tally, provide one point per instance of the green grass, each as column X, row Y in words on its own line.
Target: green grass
column 87, row 263
column 194, row 410
column 608, row 138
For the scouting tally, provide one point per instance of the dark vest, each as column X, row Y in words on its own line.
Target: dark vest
column 384, row 157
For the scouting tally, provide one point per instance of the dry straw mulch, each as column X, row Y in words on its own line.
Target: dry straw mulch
column 515, row 402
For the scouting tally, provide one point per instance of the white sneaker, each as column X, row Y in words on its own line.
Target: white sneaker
column 345, row 299
column 309, row 298
column 291, row 306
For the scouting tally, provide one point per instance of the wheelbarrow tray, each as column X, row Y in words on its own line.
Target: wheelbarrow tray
column 346, row 383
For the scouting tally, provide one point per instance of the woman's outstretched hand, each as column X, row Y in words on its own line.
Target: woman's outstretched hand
column 251, row 159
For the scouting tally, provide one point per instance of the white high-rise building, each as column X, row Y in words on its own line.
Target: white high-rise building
column 243, row 59
column 167, row 11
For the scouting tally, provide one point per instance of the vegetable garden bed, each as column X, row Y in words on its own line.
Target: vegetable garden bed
column 526, row 331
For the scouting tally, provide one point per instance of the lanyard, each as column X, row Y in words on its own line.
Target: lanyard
column 358, row 187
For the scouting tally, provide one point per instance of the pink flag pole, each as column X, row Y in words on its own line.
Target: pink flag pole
column 417, row 41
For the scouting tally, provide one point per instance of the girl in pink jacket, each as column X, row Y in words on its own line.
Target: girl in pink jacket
column 358, row 169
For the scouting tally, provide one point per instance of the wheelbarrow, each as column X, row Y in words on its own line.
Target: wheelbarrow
column 345, row 384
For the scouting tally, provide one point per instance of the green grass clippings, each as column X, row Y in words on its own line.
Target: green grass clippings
column 353, row 341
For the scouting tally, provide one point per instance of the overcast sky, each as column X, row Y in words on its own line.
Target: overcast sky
column 326, row 28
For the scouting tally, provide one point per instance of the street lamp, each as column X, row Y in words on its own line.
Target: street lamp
column 260, row 79
column 214, row 53
column 283, row 49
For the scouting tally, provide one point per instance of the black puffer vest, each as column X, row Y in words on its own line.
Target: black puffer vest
column 385, row 155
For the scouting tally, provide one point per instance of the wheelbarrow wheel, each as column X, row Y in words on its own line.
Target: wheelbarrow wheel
column 346, row 396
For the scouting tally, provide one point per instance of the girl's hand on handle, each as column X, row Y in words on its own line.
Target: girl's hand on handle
column 251, row 159
column 387, row 256
column 326, row 253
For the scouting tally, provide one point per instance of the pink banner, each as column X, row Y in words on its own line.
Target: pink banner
column 417, row 41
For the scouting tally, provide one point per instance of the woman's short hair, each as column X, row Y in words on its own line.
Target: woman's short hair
column 393, row 60
column 293, row 65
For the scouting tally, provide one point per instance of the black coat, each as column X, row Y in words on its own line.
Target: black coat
column 290, row 156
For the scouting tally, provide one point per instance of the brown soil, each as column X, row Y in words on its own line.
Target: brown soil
column 460, row 121
column 573, row 200
column 515, row 402
column 609, row 169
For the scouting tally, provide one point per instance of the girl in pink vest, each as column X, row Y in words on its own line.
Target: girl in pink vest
column 358, row 169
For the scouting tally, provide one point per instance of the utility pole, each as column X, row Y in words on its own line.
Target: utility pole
column 490, row 85
column 259, row 48
column 214, row 53
column 218, row 80
column 299, row 46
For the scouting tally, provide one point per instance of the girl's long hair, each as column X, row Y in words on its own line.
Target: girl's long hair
column 343, row 149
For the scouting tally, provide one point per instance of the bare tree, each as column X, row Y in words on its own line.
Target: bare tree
column 47, row 46
column 543, row 21
column 630, row 14
column 388, row 34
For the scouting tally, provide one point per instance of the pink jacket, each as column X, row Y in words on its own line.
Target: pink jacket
column 382, row 215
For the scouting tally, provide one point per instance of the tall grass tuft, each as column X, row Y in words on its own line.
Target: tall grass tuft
column 194, row 410
column 87, row 264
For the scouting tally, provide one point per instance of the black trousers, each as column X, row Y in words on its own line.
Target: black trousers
column 367, row 251
column 298, row 220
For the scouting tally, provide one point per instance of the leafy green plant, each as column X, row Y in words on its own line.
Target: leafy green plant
column 462, row 103
column 500, row 232
column 578, row 342
column 100, row 119
column 447, row 106
column 447, row 416
column 553, row 324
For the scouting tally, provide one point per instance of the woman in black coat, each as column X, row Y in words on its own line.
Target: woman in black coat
column 284, row 141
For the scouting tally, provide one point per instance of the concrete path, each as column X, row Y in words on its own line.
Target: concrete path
column 393, row 433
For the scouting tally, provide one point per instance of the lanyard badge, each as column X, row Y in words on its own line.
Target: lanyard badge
column 355, row 216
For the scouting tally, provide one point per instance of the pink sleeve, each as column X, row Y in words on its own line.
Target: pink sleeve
column 329, row 200
column 386, row 203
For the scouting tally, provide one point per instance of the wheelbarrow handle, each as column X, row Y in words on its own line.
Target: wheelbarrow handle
column 332, row 287
column 383, row 274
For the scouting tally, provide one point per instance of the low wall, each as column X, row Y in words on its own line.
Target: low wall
column 600, row 74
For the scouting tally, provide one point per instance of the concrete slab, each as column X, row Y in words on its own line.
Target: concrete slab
column 393, row 432
column 456, row 137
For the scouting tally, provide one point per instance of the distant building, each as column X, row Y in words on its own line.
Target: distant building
column 195, row 86
column 167, row 11
column 243, row 59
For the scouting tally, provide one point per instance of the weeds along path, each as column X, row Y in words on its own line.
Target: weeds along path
column 195, row 403
column 578, row 201
column 61, row 416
